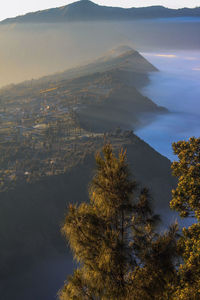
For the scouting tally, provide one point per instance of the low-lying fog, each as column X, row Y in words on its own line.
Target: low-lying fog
column 176, row 87
column 34, row 50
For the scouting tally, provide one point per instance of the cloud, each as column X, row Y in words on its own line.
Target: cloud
column 166, row 55
column 196, row 69
column 159, row 55
column 191, row 58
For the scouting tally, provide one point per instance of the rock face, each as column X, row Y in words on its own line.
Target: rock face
column 86, row 10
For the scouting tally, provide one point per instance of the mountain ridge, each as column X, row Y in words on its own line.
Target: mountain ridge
column 48, row 143
column 107, row 86
column 115, row 59
column 86, row 10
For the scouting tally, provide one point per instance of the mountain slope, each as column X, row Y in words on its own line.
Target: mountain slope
column 48, row 143
column 86, row 10
column 31, row 215
column 120, row 58
column 104, row 94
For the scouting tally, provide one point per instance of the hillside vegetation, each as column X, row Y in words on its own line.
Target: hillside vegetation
column 42, row 119
column 49, row 136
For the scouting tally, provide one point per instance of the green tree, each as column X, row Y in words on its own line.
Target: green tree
column 155, row 274
column 186, row 197
column 186, row 200
column 114, row 241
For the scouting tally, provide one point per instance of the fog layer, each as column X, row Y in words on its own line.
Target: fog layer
column 176, row 87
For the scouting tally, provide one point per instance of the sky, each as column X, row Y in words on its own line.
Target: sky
column 12, row 8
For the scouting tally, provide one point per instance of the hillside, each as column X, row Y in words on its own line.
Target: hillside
column 86, row 10
column 51, row 129
column 40, row 118
column 31, row 213
column 122, row 58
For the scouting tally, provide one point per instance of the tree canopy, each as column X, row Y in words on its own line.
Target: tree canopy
column 186, row 197
column 186, row 200
column 114, row 239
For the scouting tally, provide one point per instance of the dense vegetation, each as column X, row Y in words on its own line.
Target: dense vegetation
column 120, row 253
column 186, row 200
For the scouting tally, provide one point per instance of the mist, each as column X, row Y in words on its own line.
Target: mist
column 34, row 50
column 177, row 88
column 31, row 51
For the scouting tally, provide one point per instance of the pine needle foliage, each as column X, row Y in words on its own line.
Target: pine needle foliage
column 114, row 241
column 186, row 200
column 186, row 197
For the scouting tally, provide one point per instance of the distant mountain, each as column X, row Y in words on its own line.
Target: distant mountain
column 86, row 10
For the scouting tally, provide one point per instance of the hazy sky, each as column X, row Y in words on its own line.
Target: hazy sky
column 11, row 8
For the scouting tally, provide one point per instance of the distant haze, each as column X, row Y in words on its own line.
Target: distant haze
column 34, row 50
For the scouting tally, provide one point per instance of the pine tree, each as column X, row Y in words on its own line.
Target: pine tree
column 156, row 253
column 186, row 200
column 114, row 241
column 186, row 197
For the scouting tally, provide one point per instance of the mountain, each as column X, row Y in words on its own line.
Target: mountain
column 104, row 93
column 120, row 58
column 86, row 10
column 51, row 129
